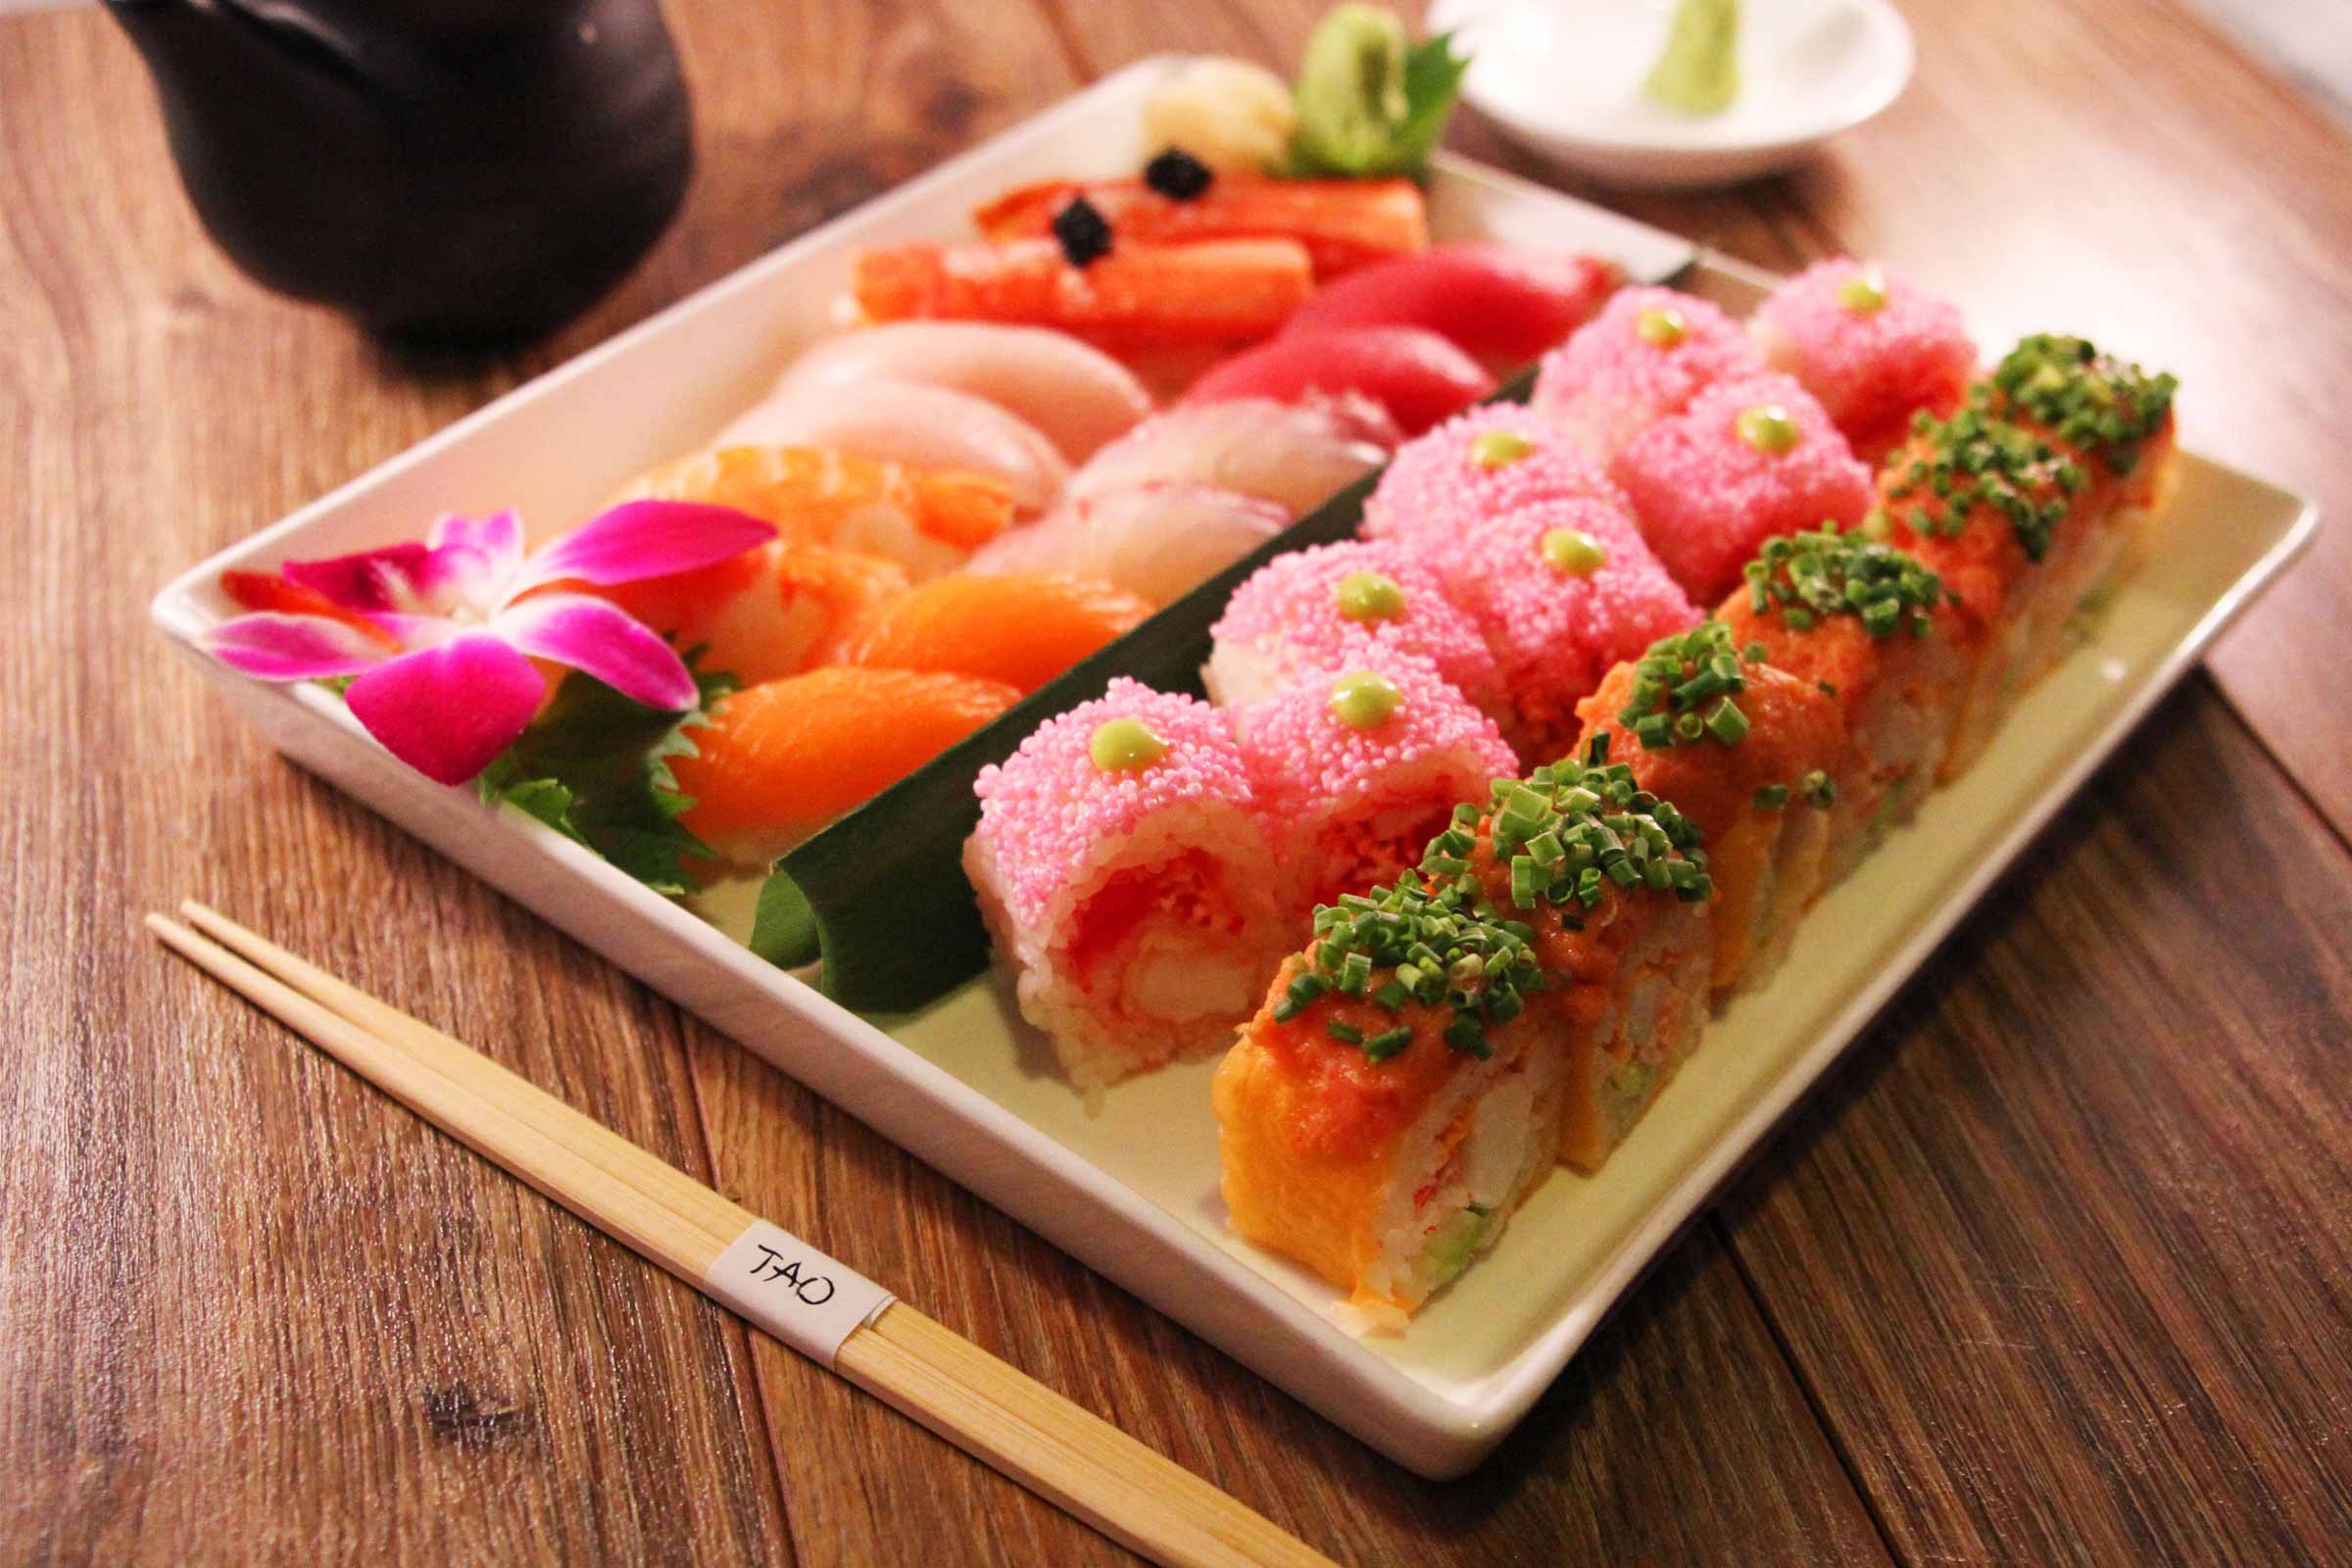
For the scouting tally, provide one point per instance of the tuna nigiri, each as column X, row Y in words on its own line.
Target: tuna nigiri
column 926, row 522
column 1294, row 456
column 1157, row 541
column 1077, row 396
column 1503, row 303
column 1418, row 376
column 1022, row 630
column 907, row 421
column 1137, row 297
column 1341, row 222
column 769, row 613
column 781, row 760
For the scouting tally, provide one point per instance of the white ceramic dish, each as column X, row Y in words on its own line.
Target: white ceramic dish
column 965, row 1087
column 1563, row 78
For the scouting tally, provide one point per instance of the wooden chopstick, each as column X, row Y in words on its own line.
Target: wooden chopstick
column 992, row 1410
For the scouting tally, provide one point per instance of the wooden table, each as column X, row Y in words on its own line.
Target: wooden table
column 2059, row 1267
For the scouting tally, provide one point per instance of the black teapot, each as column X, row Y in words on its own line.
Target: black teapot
column 443, row 171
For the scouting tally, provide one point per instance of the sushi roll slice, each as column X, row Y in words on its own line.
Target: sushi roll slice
column 1416, row 376
column 1157, row 541
column 1076, row 395
column 1752, row 456
column 1296, row 455
column 1749, row 756
column 927, row 521
column 1488, row 460
column 1124, row 870
column 780, row 759
column 908, row 422
column 2029, row 503
column 1871, row 348
column 1363, row 767
column 1645, row 356
column 1871, row 628
column 769, row 613
column 1336, row 605
column 1560, row 590
column 1022, row 630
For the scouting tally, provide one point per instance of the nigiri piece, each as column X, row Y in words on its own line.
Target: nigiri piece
column 1123, row 868
column 908, row 422
column 1480, row 464
column 1751, row 457
column 1356, row 601
column 1503, row 304
column 1418, row 376
column 1157, row 541
column 1077, row 396
column 782, row 759
column 927, row 521
column 768, row 613
column 1645, row 356
column 1872, row 348
column 1022, row 630
column 1341, row 222
column 1137, row 297
column 1296, row 456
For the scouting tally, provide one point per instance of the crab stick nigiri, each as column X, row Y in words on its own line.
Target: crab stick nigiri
column 908, row 422
column 1076, row 395
column 1137, row 297
column 1022, row 630
column 1416, row 376
column 1341, row 222
column 1503, row 303
column 927, row 521
column 782, row 759
column 1157, row 541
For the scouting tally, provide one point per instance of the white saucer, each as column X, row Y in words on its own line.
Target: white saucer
column 1563, row 78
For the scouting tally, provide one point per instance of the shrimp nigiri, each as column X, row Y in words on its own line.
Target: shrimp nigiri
column 781, row 760
column 1157, row 541
column 907, row 421
column 1296, row 456
column 926, row 522
column 768, row 613
column 1079, row 397
column 1022, row 630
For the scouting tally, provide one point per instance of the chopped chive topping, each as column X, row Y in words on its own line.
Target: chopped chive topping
column 1178, row 175
column 1675, row 677
column 1980, row 458
column 1370, row 596
column 1819, row 788
column 1346, row 1033
column 1772, row 797
column 1465, row 1035
column 1499, row 449
column 1825, row 572
column 1381, row 1047
column 2088, row 400
column 1082, row 231
column 1727, row 724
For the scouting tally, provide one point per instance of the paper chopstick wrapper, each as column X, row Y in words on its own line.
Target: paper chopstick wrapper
column 809, row 1300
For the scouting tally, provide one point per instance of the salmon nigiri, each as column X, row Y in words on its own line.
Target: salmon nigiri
column 926, row 520
column 1022, row 628
column 781, row 760
column 1137, row 297
column 768, row 613
column 1341, row 222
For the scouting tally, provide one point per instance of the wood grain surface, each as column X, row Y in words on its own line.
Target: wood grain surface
column 2057, row 1269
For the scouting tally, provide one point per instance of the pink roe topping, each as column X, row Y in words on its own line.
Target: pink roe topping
column 1306, row 759
column 1440, row 482
column 1645, row 356
column 1871, row 348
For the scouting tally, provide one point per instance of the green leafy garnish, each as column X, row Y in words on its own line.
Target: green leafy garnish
column 595, row 766
column 1369, row 102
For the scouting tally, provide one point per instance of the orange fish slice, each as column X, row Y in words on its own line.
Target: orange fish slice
column 1023, row 628
column 1341, row 222
column 768, row 613
column 1140, row 296
column 784, row 757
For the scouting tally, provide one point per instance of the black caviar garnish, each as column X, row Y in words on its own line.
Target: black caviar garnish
column 1083, row 232
column 1178, row 175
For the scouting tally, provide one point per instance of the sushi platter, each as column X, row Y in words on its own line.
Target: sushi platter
column 1115, row 1159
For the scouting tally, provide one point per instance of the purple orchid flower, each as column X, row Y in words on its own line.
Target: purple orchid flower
column 441, row 634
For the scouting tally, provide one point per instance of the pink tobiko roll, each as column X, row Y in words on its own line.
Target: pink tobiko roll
column 1336, row 605
column 1123, row 868
column 1493, row 459
column 1362, row 765
column 1752, row 459
column 1872, row 349
column 1561, row 590
column 1644, row 357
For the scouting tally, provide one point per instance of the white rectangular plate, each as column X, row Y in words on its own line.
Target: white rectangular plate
column 965, row 1086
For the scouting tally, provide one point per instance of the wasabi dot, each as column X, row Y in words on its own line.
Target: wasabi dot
column 1125, row 746
column 1574, row 552
column 1497, row 449
column 1661, row 326
column 1864, row 293
column 1370, row 596
column 1768, row 429
column 1362, row 699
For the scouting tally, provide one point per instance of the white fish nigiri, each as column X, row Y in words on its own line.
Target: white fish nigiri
column 1296, row 456
column 1078, row 396
column 1159, row 541
column 928, row 426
